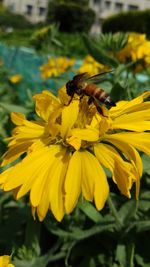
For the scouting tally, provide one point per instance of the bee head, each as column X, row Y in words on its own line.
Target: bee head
column 70, row 88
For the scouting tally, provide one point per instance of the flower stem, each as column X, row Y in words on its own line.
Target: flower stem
column 114, row 212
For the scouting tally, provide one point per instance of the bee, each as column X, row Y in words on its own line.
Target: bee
column 83, row 84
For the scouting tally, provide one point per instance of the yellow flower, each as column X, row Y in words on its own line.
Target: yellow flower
column 91, row 66
column 66, row 149
column 137, row 48
column 55, row 67
column 15, row 78
column 4, row 261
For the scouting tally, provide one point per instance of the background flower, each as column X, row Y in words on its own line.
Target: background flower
column 5, row 261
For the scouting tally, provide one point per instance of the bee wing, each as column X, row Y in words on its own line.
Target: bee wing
column 81, row 77
column 85, row 77
column 98, row 77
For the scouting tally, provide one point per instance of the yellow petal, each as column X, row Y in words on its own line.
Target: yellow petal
column 69, row 117
column 121, row 170
column 74, row 141
column 56, row 194
column 36, row 180
column 46, row 103
column 26, row 170
column 133, row 156
column 4, row 260
column 136, row 121
column 94, row 184
column 90, row 134
column 15, row 151
column 128, row 106
column 48, row 200
column 17, row 118
column 73, row 182
column 140, row 141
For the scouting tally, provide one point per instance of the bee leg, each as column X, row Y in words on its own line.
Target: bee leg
column 70, row 100
column 90, row 101
column 100, row 111
column 99, row 108
column 81, row 97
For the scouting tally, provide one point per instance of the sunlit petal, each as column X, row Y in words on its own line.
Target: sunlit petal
column 69, row 117
column 140, row 141
column 94, row 183
column 73, row 181
column 121, row 170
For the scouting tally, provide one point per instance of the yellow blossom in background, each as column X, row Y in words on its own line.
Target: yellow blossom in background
column 15, row 78
column 66, row 149
column 136, row 49
column 4, row 261
column 56, row 66
column 41, row 33
column 91, row 66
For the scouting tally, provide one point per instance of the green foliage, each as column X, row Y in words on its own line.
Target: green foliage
column 67, row 44
column 46, row 37
column 112, row 42
column 9, row 102
column 99, row 53
column 71, row 16
column 133, row 21
column 16, row 21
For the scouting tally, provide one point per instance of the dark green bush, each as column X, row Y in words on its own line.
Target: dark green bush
column 16, row 21
column 71, row 17
column 133, row 21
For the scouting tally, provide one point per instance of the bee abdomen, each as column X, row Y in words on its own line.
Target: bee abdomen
column 109, row 102
column 99, row 94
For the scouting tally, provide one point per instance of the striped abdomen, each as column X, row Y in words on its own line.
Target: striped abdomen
column 98, row 93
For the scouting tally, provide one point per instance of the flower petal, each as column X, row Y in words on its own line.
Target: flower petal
column 46, row 103
column 123, row 107
column 52, row 195
column 140, row 141
column 74, row 142
column 17, row 118
column 73, row 181
column 94, row 184
column 128, row 121
column 25, row 171
column 15, row 151
column 69, row 117
column 133, row 156
column 121, row 170
column 56, row 194
column 90, row 134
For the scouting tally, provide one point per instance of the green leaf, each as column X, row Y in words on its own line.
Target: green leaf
column 146, row 163
column 32, row 236
column 77, row 233
column 98, row 53
column 127, row 211
column 39, row 261
column 141, row 262
column 89, row 210
column 13, row 108
column 142, row 226
column 118, row 92
column 124, row 255
column 113, row 42
column 121, row 255
column 144, row 203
